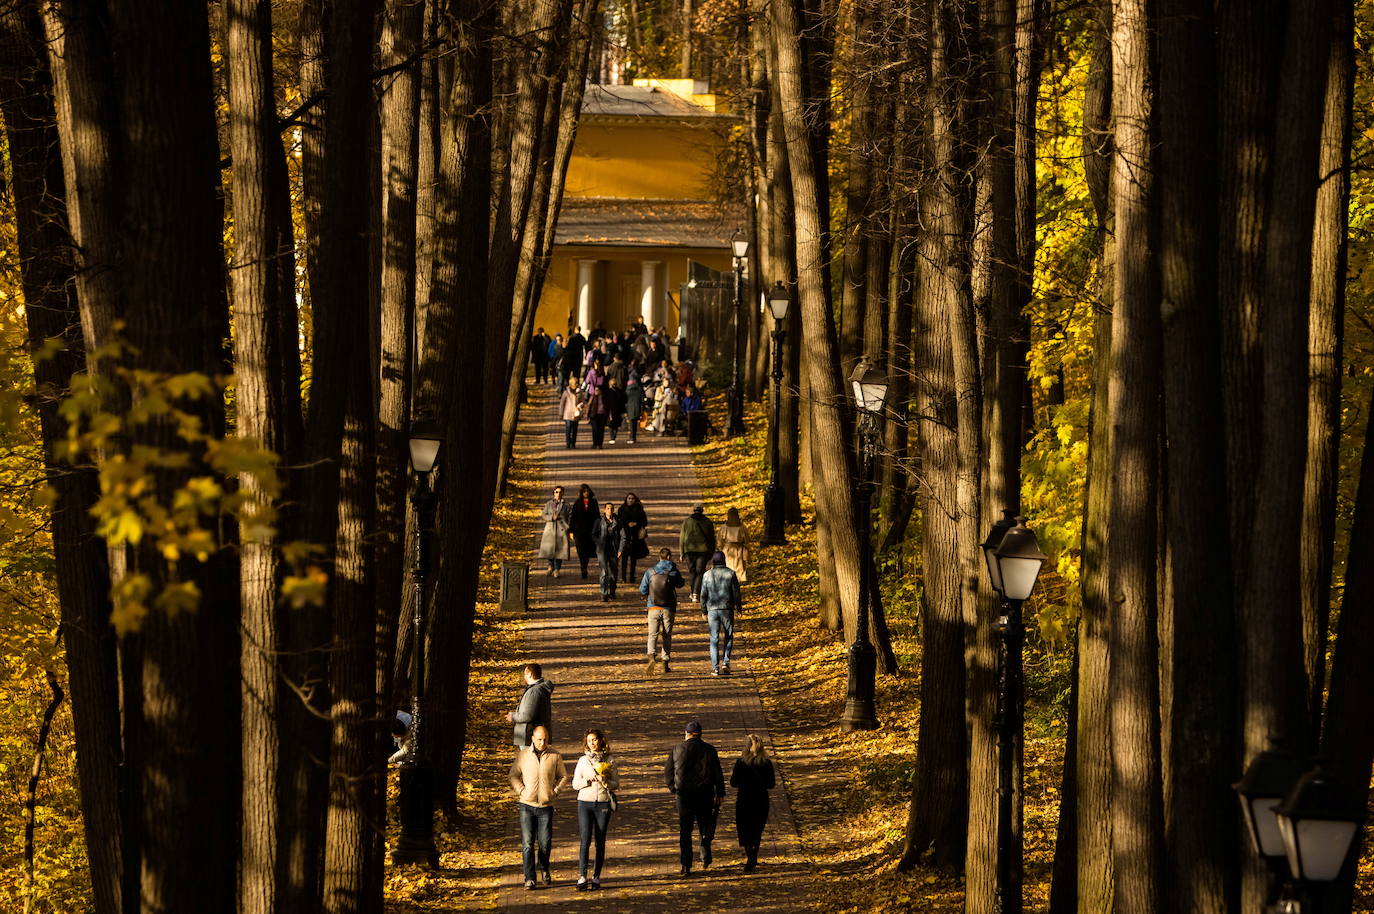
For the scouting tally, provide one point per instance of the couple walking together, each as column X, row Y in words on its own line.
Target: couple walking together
column 720, row 600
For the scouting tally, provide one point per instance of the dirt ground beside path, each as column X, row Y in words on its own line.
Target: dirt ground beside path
column 594, row 653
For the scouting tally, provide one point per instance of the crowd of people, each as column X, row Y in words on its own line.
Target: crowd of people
column 616, row 380
column 692, row 772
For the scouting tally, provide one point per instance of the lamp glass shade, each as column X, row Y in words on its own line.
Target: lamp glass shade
column 995, row 535
column 994, row 572
column 739, row 245
column 1269, row 777
column 778, row 302
column 424, row 453
column 1264, row 825
column 870, row 387
column 1019, row 560
column 1317, row 825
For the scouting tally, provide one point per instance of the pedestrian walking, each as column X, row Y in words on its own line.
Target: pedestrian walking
column 537, row 776
column 734, row 542
column 555, row 541
column 583, row 522
column 634, row 535
column 539, row 355
column 556, row 374
column 696, row 542
column 634, row 399
column 570, row 409
column 753, row 777
column 694, row 776
column 614, row 398
column 720, row 600
column 606, row 534
column 597, row 410
column 570, row 362
column 660, row 584
column 596, row 779
column 535, row 708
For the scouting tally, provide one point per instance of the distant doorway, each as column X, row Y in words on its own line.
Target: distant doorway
column 629, row 302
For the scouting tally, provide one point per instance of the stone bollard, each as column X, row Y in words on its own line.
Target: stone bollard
column 515, row 586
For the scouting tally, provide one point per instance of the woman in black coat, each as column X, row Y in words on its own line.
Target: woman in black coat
column 753, row 777
column 634, row 542
column 585, row 510
column 606, row 533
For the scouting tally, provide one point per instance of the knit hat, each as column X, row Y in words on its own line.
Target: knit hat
column 718, row 558
column 693, row 727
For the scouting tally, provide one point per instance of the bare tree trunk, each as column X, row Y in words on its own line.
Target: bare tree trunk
column 185, row 732
column 50, row 285
column 267, row 407
column 859, row 193
column 1199, row 762
column 1325, row 341
column 834, row 498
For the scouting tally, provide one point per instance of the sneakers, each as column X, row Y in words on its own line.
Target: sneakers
column 548, row 878
column 649, row 665
column 685, row 872
column 693, row 599
column 557, row 573
column 582, row 883
column 665, row 665
column 715, row 672
column 596, row 882
column 529, row 885
column 725, row 668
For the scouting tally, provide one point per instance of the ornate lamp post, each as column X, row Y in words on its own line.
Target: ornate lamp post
column 774, row 533
column 1300, row 819
column 1014, row 560
column 739, row 247
column 870, row 387
column 416, row 843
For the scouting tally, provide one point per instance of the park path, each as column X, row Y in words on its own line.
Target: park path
column 594, row 653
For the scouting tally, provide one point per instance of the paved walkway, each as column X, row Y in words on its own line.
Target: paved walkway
column 594, row 653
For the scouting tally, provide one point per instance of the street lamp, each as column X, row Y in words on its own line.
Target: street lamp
column 416, row 842
column 1014, row 560
column 1298, row 818
column 739, row 247
column 870, row 388
column 774, row 508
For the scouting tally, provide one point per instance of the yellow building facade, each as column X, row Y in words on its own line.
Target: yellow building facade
column 639, row 206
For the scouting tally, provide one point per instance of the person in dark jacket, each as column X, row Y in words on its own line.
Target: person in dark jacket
column 660, row 584
column 753, row 777
column 614, row 398
column 634, row 399
column 555, row 353
column 634, row 542
column 539, row 355
column 720, row 600
column 606, row 533
column 535, row 709
column 696, row 542
column 581, row 524
column 694, row 776
column 570, row 362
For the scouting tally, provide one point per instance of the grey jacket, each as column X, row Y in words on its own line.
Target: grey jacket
column 535, row 710
column 719, row 589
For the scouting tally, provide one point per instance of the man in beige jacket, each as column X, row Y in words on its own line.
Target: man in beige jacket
column 537, row 775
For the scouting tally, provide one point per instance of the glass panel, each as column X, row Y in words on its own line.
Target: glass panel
column 1323, row 844
column 1018, row 576
column 1265, row 825
column 993, row 572
column 423, row 453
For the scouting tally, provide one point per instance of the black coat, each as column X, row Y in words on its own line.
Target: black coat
column 581, row 525
column 694, row 767
column 751, row 805
column 606, row 535
column 539, row 349
column 632, row 521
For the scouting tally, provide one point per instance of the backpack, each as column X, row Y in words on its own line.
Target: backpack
column 661, row 592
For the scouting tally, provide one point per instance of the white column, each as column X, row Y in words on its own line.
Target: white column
column 586, row 275
column 649, row 294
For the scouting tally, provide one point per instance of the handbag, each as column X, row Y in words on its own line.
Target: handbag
column 614, row 802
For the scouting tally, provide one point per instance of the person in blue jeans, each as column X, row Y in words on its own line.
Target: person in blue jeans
column 596, row 779
column 720, row 600
column 537, row 776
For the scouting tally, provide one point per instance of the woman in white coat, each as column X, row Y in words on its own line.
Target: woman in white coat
column 595, row 779
column 555, row 543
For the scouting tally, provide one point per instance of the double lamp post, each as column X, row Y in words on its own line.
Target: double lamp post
column 416, row 842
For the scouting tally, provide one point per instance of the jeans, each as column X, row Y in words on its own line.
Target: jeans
column 627, row 564
column 722, row 625
column 698, row 562
column 592, row 819
column 541, row 371
column 695, row 808
column 536, row 835
column 661, row 631
column 607, row 561
column 555, row 564
column 562, row 378
column 570, row 432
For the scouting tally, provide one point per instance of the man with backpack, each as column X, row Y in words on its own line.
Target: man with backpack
column 660, row 584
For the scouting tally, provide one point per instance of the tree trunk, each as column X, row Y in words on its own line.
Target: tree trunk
column 267, row 407
column 1199, row 765
column 834, row 498
column 1133, row 398
column 184, row 734
column 452, row 383
column 50, row 284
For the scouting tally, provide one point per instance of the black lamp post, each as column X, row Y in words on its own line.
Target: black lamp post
column 739, row 247
column 1301, row 819
column 870, row 387
column 1014, row 560
column 416, row 843
column 774, row 509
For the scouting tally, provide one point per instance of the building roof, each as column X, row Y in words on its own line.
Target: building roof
column 640, row 101
column 645, row 223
